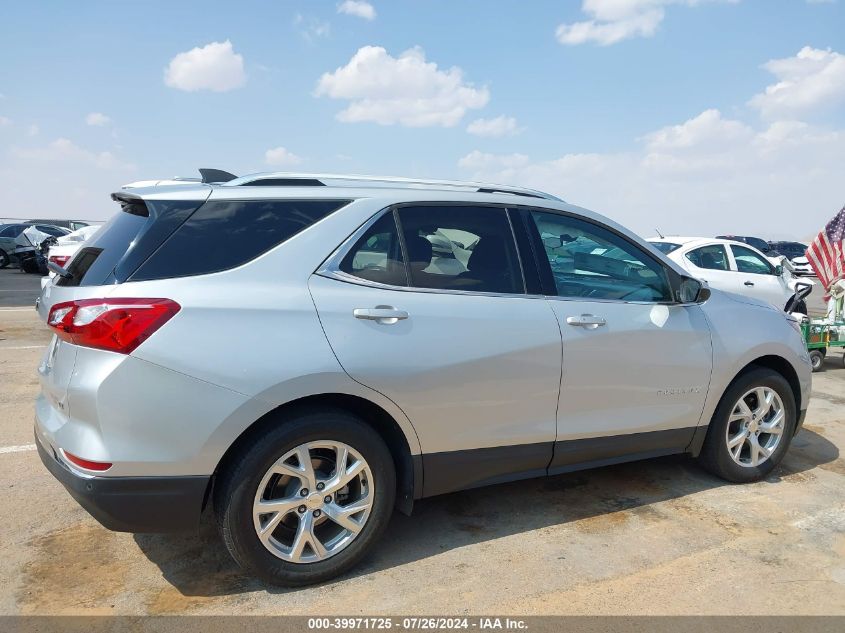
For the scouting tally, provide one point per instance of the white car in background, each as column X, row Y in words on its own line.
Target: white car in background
column 734, row 267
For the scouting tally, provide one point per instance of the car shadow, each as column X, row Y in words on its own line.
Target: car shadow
column 198, row 564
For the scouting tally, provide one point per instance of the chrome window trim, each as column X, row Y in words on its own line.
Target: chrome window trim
column 330, row 268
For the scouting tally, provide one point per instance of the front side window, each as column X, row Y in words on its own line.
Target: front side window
column 377, row 255
column 711, row 257
column 591, row 262
column 461, row 248
column 747, row 261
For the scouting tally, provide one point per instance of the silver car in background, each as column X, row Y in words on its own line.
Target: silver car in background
column 361, row 343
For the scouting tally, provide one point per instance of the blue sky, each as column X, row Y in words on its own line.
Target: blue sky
column 654, row 112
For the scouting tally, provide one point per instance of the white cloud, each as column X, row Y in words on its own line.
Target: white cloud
column 64, row 150
column 406, row 90
column 813, row 79
column 705, row 176
column 612, row 21
column 358, row 8
column 84, row 178
column 214, row 67
column 499, row 126
column 97, row 119
column 4, row 121
column 280, row 156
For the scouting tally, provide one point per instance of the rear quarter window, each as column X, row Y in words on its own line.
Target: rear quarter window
column 225, row 234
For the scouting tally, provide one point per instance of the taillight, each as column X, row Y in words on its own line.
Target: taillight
column 59, row 260
column 117, row 325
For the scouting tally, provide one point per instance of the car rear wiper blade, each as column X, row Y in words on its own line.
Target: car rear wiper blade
column 59, row 270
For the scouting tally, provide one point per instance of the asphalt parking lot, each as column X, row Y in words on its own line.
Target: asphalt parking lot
column 655, row 537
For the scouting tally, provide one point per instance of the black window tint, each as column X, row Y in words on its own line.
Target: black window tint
column 460, row 248
column 225, row 234
column 9, row 231
column 592, row 262
column 104, row 251
column 377, row 255
column 711, row 257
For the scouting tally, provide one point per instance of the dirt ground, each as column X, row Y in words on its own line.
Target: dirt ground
column 653, row 537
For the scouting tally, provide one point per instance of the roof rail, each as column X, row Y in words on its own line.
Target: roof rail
column 285, row 179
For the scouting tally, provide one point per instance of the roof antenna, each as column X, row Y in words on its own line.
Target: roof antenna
column 216, row 175
column 660, row 234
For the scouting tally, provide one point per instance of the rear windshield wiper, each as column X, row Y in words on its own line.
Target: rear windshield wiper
column 59, row 270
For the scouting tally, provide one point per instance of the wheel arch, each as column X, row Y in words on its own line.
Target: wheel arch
column 408, row 466
column 770, row 361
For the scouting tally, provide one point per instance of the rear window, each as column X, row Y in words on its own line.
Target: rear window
column 224, row 234
column 125, row 241
column 665, row 247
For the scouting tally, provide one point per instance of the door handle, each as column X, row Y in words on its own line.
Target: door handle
column 749, row 283
column 587, row 321
column 387, row 315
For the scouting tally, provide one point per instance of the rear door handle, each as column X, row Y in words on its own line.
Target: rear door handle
column 749, row 283
column 387, row 315
column 588, row 321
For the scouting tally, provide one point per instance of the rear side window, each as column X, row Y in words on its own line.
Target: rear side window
column 461, row 248
column 224, row 234
column 377, row 256
column 665, row 247
column 711, row 257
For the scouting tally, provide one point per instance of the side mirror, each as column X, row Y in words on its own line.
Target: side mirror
column 779, row 270
column 692, row 291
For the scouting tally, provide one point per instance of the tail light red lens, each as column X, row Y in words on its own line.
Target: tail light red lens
column 59, row 260
column 117, row 325
column 86, row 463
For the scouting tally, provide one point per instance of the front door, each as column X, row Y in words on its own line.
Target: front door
column 636, row 365
column 438, row 321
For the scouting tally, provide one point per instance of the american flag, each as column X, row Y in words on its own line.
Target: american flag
column 827, row 252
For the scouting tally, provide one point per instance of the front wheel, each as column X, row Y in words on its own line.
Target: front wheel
column 306, row 500
column 751, row 428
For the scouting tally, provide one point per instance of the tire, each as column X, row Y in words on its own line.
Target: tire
column 4, row 258
column 715, row 455
column 236, row 491
column 816, row 359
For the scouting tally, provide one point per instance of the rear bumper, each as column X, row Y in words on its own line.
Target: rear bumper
column 133, row 504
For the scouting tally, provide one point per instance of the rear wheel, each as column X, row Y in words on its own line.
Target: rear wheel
column 305, row 501
column 816, row 359
column 752, row 427
column 4, row 258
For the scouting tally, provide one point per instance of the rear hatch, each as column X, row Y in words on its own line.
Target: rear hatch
column 122, row 245
column 129, row 237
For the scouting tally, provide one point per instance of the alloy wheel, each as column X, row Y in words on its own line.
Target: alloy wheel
column 755, row 427
column 313, row 501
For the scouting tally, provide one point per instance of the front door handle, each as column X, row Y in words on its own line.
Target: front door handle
column 749, row 283
column 387, row 315
column 587, row 321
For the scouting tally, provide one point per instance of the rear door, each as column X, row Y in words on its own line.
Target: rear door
column 636, row 365
column 436, row 316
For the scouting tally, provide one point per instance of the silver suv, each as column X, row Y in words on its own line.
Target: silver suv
column 301, row 354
